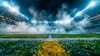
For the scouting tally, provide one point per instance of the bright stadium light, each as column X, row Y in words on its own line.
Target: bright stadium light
column 78, row 13
column 63, row 22
column 5, row 4
column 92, row 4
column 9, row 7
column 34, row 21
column 13, row 9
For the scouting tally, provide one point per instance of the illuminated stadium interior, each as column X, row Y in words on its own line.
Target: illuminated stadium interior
column 63, row 17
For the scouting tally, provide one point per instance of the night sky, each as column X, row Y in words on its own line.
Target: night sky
column 51, row 6
column 48, row 10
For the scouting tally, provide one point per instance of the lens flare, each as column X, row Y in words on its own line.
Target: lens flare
column 5, row 4
column 78, row 14
column 13, row 9
column 92, row 4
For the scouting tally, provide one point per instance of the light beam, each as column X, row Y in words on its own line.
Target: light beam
column 92, row 4
column 13, row 9
column 78, row 14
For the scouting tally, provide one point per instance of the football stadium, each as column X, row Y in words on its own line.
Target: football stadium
column 49, row 27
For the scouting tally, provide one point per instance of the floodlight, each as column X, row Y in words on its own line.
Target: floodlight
column 85, row 9
column 5, row 4
column 78, row 14
column 14, row 10
column 8, row 6
column 92, row 4
column 34, row 21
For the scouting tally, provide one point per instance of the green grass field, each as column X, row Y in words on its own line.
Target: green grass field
column 46, row 35
column 24, row 36
column 77, row 35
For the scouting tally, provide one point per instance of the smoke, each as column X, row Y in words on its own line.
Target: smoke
column 23, row 28
column 64, row 22
column 63, row 18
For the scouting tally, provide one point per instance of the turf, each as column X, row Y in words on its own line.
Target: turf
column 23, row 36
column 76, row 35
column 46, row 35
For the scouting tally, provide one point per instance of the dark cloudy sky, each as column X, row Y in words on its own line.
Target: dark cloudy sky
column 51, row 6
column 46, row 8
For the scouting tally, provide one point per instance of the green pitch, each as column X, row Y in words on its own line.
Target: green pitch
column 53, row 35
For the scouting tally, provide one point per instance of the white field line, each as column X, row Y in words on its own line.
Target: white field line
column 49, row 39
